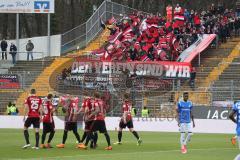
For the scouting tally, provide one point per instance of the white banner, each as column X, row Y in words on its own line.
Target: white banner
column 26, row 6
column 153, row 125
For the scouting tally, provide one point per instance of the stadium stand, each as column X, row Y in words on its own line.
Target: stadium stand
column 27, row 72
column 46, row 78
column 46, row 81
column 4, row 66
column 226, row 86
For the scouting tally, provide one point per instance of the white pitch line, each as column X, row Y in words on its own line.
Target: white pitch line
column 149, row 152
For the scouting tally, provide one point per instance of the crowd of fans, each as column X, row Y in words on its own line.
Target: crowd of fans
column 139, row 37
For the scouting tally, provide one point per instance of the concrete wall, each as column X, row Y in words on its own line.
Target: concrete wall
column 40, row 45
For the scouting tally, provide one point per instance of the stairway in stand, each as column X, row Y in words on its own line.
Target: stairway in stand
column 47, row 79
column 27, row 71
column 212, row 63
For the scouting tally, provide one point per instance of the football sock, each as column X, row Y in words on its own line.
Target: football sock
column 76, row 135
column 135, row 134
column 51, row 136
column 182, row 138
column 95, row 138
column 65, row 133
column 89, row 137
column 84, row 136
column 187, row 138
column 238, row 139
column 107, row 138
column 26, row 135
column 43, row 137
column 37, row 138
column 119, row 136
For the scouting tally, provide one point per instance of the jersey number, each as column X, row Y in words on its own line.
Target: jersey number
column 34, row 105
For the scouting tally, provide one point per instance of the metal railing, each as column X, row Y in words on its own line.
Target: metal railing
column 19, row 56
column 81, row 35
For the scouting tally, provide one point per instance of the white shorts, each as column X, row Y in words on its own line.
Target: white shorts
column 185, row 127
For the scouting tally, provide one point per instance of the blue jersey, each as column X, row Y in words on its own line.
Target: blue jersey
column 236, row 108
column 184, row 111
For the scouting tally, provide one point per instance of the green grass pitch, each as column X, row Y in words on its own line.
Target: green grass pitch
column 164, row 146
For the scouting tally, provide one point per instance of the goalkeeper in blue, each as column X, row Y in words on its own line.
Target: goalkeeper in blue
column 236, row 111
column 184, row 117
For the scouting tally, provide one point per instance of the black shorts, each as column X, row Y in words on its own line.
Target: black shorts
column 99, row 125
column 48, row 127
column 88, row 126
column 129, row 124
column 70, row 126
column 35, row 121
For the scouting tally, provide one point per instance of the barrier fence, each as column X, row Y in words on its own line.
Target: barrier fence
column 81, row 35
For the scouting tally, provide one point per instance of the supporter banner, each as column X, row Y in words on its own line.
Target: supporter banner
column 9, row 81
column 161, row 69
column 26, row 6
column 196, row 48
column 203, row 112
column 147, row 75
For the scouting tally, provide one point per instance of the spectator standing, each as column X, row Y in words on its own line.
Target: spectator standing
column 4, row 46
column 213, row 9
column 169, row 13
column 13, row 52
column 9, row 108
column 177, row 10
column 14, row 109
column 187, row 15
column 238, row 8
column 145, row 112
column 29, row 49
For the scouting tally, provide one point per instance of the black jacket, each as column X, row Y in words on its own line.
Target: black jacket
column 13, row 49
column 4, row 45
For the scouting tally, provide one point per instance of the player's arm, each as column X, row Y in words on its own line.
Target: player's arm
column 177, row 115
column 82, row 109
column 85, row 113
column 96, row 111
column 25, row 111
column 41, row 111
column 192, row 117
column 53, row 109
column 231, row 116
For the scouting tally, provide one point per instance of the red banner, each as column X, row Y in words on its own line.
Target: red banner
column 9, row 81
column 196, row 48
